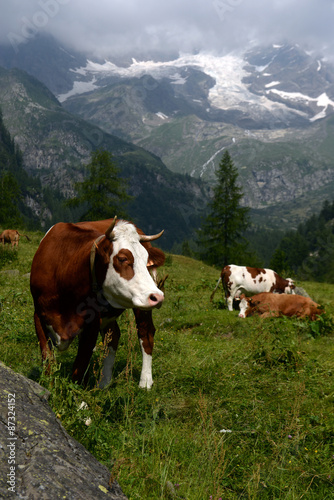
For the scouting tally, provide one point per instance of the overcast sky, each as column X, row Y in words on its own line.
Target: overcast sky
column 117, row 27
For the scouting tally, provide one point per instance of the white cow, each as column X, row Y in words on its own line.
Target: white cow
column 251, row 280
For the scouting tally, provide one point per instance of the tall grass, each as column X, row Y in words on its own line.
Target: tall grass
column 239, row 409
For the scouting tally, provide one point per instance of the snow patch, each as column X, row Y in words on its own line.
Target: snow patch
column 79, row 88
column 323, row 101
column 272, row 84
column 162, row 115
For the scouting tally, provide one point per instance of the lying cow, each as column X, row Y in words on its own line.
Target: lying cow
column 83, row 276
column 273, row 305
column 251, row 280
column 11, row 236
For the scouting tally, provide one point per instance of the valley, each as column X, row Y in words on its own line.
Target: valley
column 271, row 107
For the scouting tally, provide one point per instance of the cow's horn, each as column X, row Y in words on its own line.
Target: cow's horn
column 109, row 231
column 145, row 237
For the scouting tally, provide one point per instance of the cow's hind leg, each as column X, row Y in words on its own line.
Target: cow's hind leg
column 111, row 334
column 146, row 331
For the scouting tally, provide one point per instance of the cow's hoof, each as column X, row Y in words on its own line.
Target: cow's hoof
column 145, row 384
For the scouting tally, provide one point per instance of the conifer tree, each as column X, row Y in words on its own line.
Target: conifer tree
column 102, row 193
column 10, row 196
column 220, row 237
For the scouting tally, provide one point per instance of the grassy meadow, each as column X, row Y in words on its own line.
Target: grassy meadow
column 239, row 409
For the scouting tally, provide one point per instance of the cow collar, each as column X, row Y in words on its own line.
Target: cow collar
column 95, row 286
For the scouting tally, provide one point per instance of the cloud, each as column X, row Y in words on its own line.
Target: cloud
column 108, row 28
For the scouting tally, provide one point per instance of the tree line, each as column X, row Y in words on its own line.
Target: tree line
column 308, row 252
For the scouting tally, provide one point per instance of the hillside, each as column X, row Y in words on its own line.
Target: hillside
column 239, row 408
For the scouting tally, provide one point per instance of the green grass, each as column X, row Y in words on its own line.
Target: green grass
column 239, row 409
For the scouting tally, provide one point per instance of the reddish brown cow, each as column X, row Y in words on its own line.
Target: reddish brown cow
column 272, row 304
column 250, row 280
column 83, row 277
column 11, row 236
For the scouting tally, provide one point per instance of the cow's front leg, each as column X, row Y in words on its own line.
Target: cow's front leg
column 110, row 334
column 146, row 331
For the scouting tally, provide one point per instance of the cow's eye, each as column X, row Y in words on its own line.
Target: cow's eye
column 122, row 259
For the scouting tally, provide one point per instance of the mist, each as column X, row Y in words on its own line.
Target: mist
column 128, row 27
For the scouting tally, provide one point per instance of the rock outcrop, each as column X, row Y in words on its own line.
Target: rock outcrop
column 38, row 459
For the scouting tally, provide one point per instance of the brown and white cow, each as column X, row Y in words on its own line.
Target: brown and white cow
column 272, row 305
column 83, row 276
column 251, row 280
column 11, row 236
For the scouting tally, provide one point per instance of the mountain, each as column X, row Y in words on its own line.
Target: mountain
column 272, row 107
column 56, row 146
column 45, row 59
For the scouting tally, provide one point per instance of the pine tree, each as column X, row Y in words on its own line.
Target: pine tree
column 102, row 193
column 220, row 237
column 10, row 196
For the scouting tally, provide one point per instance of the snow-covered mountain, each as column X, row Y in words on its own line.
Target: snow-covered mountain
column 278, row 84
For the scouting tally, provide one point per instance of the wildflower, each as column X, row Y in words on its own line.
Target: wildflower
column 225, row 430
column 289, row 436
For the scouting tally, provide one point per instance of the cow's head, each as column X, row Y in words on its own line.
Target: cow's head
column 290, row 288
column 127, row 282
column 244, row 306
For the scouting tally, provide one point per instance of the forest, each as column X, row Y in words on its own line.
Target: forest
column 308, row 252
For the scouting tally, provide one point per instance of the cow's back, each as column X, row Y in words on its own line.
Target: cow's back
column 285, row 304
column 248, row 280
column 61, row 261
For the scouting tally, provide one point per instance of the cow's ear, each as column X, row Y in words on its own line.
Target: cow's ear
column 156, row 257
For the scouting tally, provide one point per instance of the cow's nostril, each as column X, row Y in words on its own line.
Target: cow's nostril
column 156, row 299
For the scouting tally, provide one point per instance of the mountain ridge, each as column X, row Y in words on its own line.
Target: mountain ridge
column 272, row 107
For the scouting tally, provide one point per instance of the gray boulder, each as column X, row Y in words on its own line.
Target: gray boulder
column 301, row 291
column 38, row 459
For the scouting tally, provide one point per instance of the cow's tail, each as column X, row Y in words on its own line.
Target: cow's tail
column 218, row 282
column 24, row 235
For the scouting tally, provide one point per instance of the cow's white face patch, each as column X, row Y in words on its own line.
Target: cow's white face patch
column 291, row 287
column 62, row 345
column 128, row 283
column 243, row 306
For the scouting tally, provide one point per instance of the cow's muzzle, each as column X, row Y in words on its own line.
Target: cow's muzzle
column 156, row 299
